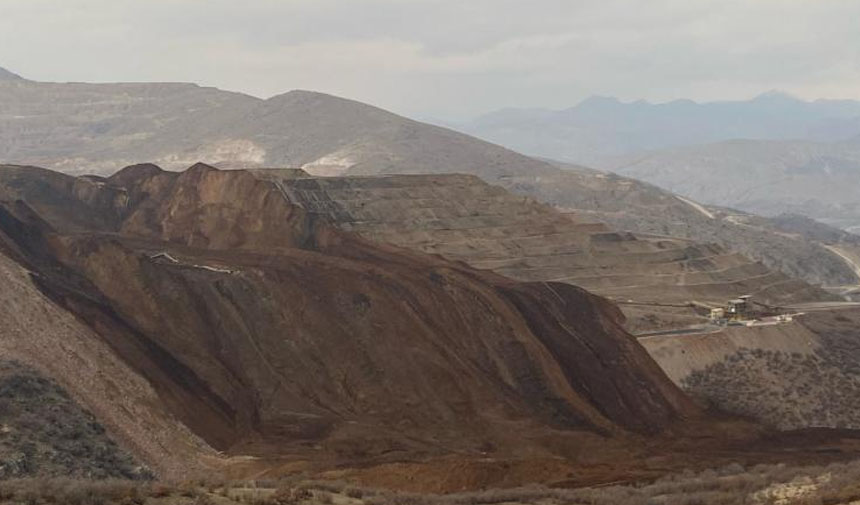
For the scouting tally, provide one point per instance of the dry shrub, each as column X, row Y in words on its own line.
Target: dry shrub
column 287, row 495
column 73, row 491
column 354, row 492
column 204, row 499
column 323, row 497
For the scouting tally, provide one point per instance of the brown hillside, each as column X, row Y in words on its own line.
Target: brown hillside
column 267, row 332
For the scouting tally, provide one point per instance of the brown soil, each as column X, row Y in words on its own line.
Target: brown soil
column 288, row 344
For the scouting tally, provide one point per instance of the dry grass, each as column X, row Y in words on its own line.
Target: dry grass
column 732, row 485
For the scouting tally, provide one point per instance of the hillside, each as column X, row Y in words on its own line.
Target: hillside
column 93, row 128
column 818, row 180
column 770, row 155
column 796, row 375
column 43, row 432
column 225, row 312
column 463, row 218
column 795, row 246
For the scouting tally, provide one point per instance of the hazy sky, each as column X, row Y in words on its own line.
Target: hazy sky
column 447, row 58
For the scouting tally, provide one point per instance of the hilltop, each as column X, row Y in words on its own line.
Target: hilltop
column 6, row 75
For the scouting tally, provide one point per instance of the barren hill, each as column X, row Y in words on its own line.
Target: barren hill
column 267, row 332
column 94, row 128
column 217, row 321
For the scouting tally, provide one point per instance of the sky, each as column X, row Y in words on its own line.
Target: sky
column 447, row 59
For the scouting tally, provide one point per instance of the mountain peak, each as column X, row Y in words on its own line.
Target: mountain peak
column 303, row 95
column 6, row 75
column 775, row 95
column 596, row 100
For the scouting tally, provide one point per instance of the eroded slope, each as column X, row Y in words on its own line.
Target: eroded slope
column 268, row 332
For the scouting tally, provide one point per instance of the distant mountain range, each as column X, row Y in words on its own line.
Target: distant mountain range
column 770, row 155
column 601, row 128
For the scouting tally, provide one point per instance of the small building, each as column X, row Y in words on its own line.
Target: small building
column 739, row 308
column 718, row 314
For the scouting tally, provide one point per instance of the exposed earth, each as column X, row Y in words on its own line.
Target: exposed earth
column 215, row 325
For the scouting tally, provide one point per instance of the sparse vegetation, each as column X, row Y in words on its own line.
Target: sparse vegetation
column 43, row 432
column 730, row 485
column 790, row 390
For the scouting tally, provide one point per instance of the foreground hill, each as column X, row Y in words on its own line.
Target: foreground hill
column 212, row 324
column 45, row 433
column 239, row 321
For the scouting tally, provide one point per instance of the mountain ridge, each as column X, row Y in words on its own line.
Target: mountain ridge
column 7, row 75
column 178, row 125
column 599, row 128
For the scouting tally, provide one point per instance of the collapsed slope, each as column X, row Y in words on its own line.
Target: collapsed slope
column 267, row 332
